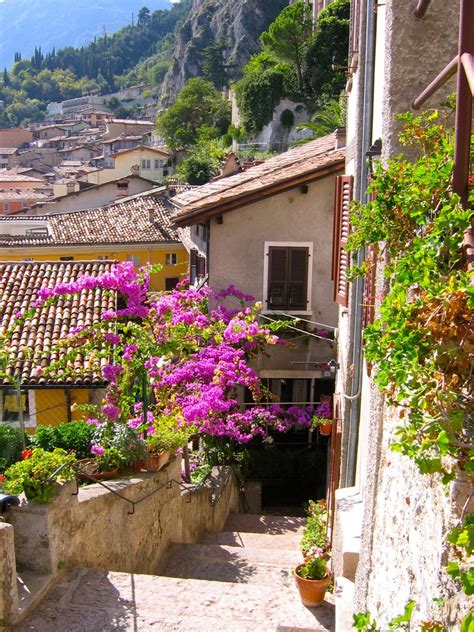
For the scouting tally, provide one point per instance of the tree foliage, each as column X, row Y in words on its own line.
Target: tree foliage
column 326, row 56
column 288, row 36
column 295, row 63
column 203, row 162
column 198, row 112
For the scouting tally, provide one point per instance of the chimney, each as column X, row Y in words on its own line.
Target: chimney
column 340, row 136
column 122, row 188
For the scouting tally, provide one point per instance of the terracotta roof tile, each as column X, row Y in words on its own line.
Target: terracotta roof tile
column 142, row 218
column 34, row 341
column 303, row 160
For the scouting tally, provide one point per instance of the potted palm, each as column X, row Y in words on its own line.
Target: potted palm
column 312, row 580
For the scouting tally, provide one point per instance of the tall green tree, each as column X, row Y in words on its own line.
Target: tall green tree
column 288, row 37
column 199, row 111
column 326, row 57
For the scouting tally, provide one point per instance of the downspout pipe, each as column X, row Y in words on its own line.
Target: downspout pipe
column 358, row 286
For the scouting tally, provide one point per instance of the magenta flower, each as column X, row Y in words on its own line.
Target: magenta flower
column 97, row 449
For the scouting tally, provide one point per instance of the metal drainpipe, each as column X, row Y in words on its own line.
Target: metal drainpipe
column 358, row 287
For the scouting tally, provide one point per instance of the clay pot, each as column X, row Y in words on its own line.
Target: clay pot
column 154, row 462
column 326, row 429
column 312, row 591
column 90, row 466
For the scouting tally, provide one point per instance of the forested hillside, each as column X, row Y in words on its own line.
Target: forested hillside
column 26, row 24
column 104, row 65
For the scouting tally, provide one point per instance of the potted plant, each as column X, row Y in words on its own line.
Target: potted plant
column 322, row 417
column 38, row 473
column 314, row 538
column 312, row 579
column 163, row 438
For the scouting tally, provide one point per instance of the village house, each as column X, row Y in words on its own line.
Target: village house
column 268, row 231
column 8, row 157
column 15, row 137
column 137, row 229
column 73, row 195
column 26, row 394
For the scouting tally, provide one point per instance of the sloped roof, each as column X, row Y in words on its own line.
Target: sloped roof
column 7, row 176
column 141, row 218
column 33, row 341
column 301, row 164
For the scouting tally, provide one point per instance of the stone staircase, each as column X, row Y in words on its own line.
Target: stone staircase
column 237, row 580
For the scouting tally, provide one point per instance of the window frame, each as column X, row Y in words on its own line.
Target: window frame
column 171, row 256
column 309, row 276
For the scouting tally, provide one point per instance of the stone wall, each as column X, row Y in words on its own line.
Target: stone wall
column 95, row 528
column 8, row 589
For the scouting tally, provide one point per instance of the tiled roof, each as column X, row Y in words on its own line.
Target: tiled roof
column 297, row 164
column 141, row 148
column 33, row 342
column 8, row 150
column 6, row 176
column 141, row 218
column 22, row 194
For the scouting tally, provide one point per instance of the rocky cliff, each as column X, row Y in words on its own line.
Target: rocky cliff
column 232, row 26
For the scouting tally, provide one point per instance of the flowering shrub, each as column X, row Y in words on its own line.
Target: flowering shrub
column 32, row 475
column 315, row 533
column 172, row 364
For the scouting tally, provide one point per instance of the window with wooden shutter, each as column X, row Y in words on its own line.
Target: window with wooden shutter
column 288, row 278
column 201, row 266
column 341, row 230
column 193, row 255
column 353, row 34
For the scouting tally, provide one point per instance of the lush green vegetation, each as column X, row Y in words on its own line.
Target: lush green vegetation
column 295, row 63
column 73, row 437
column 138, row 52
column 200, row 112
column 422, row 340
column 11, row 446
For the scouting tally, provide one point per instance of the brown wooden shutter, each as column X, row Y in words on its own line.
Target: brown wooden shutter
column 277, row 278
column 298, row 278
column 193, row 255
column 201, row 266
column 341, row 230
column 353, row 32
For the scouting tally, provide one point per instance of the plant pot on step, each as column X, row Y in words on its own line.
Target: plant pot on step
column 154, row 462
column 312, row 591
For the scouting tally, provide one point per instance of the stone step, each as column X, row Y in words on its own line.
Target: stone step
column 231, row 564
column 248, row 539
column 272, row 525
column 103, row 601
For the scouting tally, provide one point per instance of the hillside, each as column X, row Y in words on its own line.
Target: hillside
column 217, row 40
column 26, row 24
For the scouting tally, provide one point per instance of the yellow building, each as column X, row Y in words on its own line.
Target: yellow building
column 138, row 229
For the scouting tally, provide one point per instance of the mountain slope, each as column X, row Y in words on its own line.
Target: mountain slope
column 233, row 26
column 25, row 24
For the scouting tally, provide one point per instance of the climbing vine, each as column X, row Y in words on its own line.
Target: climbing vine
column 422, row 342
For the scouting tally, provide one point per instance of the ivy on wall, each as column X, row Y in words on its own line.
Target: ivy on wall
column 422, row 341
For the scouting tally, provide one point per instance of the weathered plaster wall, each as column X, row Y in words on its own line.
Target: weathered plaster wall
column 95, row 530
column 8, row 589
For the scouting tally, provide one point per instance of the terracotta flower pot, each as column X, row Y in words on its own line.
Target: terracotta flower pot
column 90, row 467
column 154, row 462
column 312, row 591
column 326, row 429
